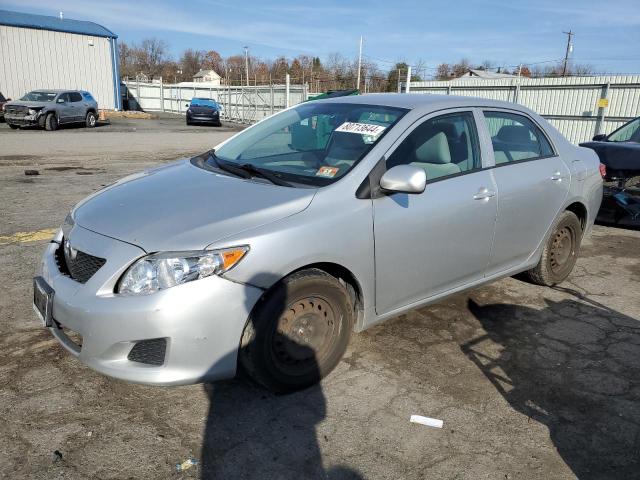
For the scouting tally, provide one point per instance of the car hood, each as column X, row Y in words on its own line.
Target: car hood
column 25, row 103
column 183, row 207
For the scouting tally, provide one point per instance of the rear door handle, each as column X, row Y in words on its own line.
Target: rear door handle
column 484, row 194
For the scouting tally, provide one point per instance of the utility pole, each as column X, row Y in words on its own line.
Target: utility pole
column 568, row 51
column 407, row 87
column 359, row 63
column 246, row 63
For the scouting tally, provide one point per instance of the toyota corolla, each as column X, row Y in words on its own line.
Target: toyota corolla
column 327, row 218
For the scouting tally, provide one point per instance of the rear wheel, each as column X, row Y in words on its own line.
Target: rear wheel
column 51, row 122
column 298, row 333
column 13, row 127
column 560, row 253
column 91, row 120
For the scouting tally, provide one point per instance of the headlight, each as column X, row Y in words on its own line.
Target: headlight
column 32, row 111
column 165, row 270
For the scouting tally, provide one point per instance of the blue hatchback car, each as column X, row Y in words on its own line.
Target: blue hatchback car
column 203, row 110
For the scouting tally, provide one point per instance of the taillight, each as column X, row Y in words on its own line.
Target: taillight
column 603, row 170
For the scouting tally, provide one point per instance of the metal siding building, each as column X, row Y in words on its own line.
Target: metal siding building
column 39, row 51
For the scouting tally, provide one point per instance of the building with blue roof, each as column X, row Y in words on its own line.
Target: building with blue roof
column 39, row 51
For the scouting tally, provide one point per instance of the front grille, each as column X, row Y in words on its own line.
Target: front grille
column 16, row 110
column 81, row 268
column 150, row 352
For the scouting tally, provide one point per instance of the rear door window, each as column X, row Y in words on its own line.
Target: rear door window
column 75, row 97
column 515, row 138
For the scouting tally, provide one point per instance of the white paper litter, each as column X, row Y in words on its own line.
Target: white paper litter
column 429, row 422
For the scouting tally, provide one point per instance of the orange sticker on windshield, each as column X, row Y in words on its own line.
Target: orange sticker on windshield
column 327, row 172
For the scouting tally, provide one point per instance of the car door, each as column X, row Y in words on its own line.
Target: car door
column 78, row 106
column 65, row 108
column 532, row 181
column 428, row 243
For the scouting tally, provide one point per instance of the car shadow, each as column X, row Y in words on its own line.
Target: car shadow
column 251, row 433
column 573, row 366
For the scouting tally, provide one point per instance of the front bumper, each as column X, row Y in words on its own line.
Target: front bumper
column 201, row 321
column 23, row 120
column 203, row 118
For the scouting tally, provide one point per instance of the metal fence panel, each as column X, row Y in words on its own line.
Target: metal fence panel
column 239, row 103
column 569, row 103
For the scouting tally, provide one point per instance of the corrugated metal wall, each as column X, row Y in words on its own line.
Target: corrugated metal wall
column 569, row 103
column 32, row 59
column 240, row 104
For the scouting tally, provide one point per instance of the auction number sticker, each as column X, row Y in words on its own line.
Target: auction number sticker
column 361, row 128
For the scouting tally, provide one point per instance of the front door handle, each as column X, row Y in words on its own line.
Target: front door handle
column 557, row 177
column 484, row 194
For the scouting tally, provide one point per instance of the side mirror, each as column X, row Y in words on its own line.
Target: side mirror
column 60, row 100
column 404, row 179
column 186, row 105
column 600, row 138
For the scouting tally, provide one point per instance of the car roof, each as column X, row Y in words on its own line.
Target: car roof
column 421, row 101
column 51, row 90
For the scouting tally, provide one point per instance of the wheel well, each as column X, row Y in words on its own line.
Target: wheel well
column 344, row 275
column 92, row 110
column 581, row 212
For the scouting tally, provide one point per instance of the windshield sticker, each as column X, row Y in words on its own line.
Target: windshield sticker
column 361, row 128
column 328, row 172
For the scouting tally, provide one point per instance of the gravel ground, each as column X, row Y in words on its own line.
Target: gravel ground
column 531, row 382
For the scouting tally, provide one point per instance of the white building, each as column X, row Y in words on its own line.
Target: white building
column 38, row 51
column 207, row 76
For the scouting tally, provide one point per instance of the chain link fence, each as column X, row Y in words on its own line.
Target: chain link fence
column 242, row 104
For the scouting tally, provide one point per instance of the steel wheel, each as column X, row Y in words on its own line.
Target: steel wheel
column 562, row 249
column 298, row 331
column 304, row 336
column 560, row 252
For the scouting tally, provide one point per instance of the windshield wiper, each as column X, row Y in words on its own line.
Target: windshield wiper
column 238, row 172
column 247, row 170
column 252, row 170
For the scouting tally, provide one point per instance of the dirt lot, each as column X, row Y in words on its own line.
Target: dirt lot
column 531, row 382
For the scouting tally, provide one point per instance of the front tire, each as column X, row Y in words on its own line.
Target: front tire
column 91, row 120
column 560, row 253
column 13, row 127
column 51, row 122
column 298, row 332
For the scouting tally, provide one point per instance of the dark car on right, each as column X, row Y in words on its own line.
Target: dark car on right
column 203, row 110
column 619, row 154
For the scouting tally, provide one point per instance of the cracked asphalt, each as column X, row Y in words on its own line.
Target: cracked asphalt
column 531, row 382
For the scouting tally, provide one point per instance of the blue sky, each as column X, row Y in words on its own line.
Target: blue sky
column 505, row 31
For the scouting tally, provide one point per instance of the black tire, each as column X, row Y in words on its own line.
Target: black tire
column 560, row 253
column 298, row 331
column 51, row 122
column 90, row 120
column 13, row 127
column 189, row 121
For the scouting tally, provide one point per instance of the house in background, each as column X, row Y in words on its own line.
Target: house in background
column 207, row 76
column 485, row 75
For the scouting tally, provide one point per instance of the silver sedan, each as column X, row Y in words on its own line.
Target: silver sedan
column 324, row 219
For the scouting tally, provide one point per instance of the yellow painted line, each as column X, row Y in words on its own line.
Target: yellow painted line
column 25, row 237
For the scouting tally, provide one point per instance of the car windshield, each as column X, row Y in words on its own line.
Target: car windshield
column 39, row 96
column 314, row 143
column 203, row 102
column 627, row 133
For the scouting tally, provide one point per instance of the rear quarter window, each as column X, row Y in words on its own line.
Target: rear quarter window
column 87, row 96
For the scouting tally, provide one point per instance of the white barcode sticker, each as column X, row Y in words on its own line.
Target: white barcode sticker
column 361, row 128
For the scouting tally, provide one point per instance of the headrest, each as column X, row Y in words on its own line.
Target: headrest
column 514, row 134
column 347, row 146
column 434, row 150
